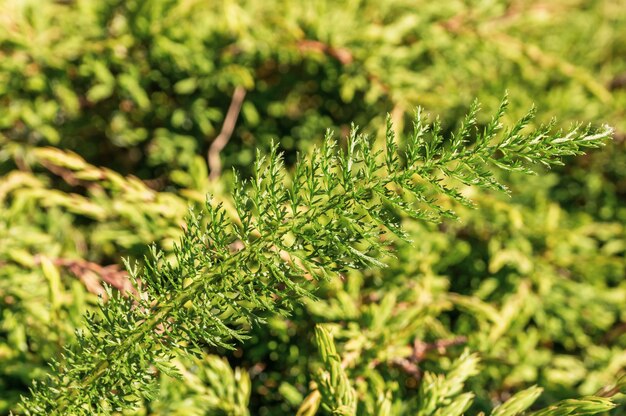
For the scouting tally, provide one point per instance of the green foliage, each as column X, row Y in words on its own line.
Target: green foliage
column 229, row 273
column 338, row 396
column 209, row 386
column 131, row 95
column 102, row 76
column 441, row 394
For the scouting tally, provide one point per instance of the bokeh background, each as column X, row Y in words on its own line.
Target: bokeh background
column 111, row 110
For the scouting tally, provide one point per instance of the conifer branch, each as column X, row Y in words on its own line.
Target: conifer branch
column 325, row 218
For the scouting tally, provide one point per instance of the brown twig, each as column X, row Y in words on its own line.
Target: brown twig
column 420, row 349
column 92, row 274
column 410, row 364
column 614, row 333
column 213, row 157
column 618, row 82
column 21, row 163
column 67, row 175
column 343, row 55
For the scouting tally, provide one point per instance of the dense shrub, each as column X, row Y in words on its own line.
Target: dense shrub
column 109, row 110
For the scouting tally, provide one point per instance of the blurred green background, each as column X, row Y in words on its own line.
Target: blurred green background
column 108, row 110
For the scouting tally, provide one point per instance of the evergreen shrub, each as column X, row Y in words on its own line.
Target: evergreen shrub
column 349, row 273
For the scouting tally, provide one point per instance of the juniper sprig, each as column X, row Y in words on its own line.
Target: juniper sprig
column 325, row 217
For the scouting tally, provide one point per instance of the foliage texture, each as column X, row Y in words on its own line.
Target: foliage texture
column 325, row 219
column 109, row 111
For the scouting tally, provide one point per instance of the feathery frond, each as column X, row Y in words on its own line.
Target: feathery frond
column 325, row 218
